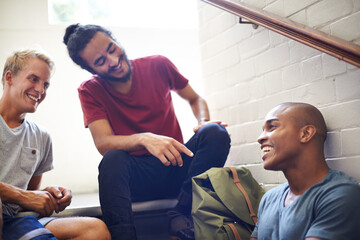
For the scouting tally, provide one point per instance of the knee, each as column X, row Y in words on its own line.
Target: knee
column 96, row 230
column 216, row 133
column 114, row 160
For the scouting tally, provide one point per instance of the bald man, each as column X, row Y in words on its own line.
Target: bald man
column 316, row 202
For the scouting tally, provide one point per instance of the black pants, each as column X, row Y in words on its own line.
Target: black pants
column 124, row 178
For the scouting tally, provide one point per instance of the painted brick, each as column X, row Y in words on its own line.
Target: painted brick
column 273, row 82
column 264, row 176
column 252, row 131
column 300, row 52
column 348, row 85
column 272, row 59
column 246, row 112
column 294, row 6
column 343, row 115
column 246, row 153
column 257, row 88
column 312, row 69
column 349, row 165
column 347, row 28
column 292, row 76
column 237, row 33
column 350, row 141
column 237, row 136
column 277, row 39
column 356, row 5
column 220, row 62
column 269, row 102
column 222, row 22
column 327, row 10
column 299, row 94
column 269, row 2
column 212, row 47
column 240, row 72
column 228, row 97
column 332, row 66
column 216, row 82
column 259, row 3
column 254, row 45
column 242, row 92
column 299, row 17
column 276, row 8
column 333, row 145
column 325, row 29
column 321, row 92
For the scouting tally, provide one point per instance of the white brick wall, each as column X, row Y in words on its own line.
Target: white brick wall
column 266, row 69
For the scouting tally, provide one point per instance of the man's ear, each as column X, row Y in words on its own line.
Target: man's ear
column 307, row 133
column 8, row 77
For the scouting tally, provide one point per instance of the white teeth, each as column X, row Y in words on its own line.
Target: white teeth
column 33, row 98
column 266, row 149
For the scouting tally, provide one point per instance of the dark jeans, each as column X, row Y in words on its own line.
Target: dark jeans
column 124, row 178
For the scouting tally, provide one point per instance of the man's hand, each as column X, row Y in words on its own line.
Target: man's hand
column 41, row 202
column 201, row 124
column 62, row 196
column 167, row 149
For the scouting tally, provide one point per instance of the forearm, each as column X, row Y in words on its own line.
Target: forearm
column 11, row 194
column 200, row 109
column 129, row 143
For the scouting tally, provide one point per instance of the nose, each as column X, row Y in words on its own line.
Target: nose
column 40, row 87
column 262, row 137
column 113, row 60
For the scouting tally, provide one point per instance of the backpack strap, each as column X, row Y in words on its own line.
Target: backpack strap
column 240, row 187
column 235, row 232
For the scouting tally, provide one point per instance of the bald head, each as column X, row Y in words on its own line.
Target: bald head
column 304, row 114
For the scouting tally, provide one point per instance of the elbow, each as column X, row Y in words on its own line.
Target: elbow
column 101, row 147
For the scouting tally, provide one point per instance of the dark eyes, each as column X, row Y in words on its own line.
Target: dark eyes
column 35, row 79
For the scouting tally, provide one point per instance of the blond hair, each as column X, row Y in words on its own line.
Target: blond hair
column 18, row 60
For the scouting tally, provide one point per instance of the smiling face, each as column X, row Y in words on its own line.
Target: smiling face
column 107, row 58
column 280, row 139
column 28, row 87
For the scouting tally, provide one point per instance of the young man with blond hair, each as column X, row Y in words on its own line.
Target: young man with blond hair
column 26, row 153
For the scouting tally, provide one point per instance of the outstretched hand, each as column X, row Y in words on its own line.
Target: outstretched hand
column 166, row 149
column 207, row 122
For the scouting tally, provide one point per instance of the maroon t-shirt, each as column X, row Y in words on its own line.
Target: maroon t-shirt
column 147, row 107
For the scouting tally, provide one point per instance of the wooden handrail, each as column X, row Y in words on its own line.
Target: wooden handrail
column 332, row 45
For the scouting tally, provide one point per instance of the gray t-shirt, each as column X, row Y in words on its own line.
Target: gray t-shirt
column 25, row 151
column 327, row 210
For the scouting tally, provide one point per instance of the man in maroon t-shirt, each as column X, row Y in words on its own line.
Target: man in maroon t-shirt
column 128, row 108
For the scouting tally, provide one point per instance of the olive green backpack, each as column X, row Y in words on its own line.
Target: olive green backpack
column 225, row 204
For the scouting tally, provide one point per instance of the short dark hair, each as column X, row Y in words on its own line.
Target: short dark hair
column 77, row 37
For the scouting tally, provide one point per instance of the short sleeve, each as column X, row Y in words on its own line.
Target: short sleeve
column 92, row 108
column 338, row 214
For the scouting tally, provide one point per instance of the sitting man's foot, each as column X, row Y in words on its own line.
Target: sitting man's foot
column 181, row 227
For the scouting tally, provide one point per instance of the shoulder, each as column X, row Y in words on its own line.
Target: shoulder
column 336, row 189
column 337, row 180
column 153, row 61
column 92, row 83
column 36, row 129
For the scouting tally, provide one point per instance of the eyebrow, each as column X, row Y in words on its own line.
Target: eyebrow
column 270, row 121
column 109, row 46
